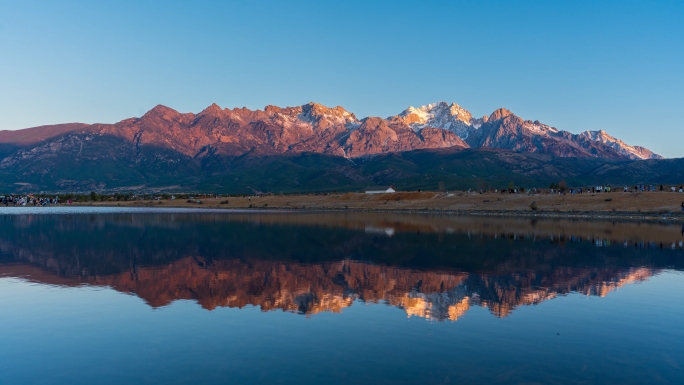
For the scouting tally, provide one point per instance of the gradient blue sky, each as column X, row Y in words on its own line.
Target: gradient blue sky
column 576, row 65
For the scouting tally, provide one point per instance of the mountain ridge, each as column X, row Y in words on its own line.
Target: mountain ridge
column 317, row 148
column 503, row 129
column 314, row 127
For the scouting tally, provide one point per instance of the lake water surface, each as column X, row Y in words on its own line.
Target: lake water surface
column 136, row 296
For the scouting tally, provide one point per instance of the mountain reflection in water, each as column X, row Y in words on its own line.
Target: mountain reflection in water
column 435, row 267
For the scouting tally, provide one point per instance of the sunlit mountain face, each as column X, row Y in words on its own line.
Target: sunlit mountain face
column 436, row 267
column 314, row 148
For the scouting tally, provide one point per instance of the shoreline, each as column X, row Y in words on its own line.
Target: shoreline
column 623, row 216
column 652, row 206
column 616, row 205
column 627, row 228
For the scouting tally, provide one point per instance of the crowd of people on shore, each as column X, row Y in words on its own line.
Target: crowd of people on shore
column 643, row 188
column 607, row 189
column 27, row 200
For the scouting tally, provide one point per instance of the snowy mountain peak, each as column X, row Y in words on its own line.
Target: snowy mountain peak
column 631, row 152
column 442, row 115
column 501, row 129
column 311, row 116
column 315, row 112
column 436, row 112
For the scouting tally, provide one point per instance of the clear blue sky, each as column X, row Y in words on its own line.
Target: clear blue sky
column 576, row 65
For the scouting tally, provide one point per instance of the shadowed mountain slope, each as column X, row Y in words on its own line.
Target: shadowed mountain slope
column 153, row 168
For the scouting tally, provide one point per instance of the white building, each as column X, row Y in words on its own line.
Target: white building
column 380, row 190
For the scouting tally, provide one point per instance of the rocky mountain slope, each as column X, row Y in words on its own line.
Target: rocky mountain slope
column 502, row 129
column 308, row 128
column 37, row 134
column 313, row 148
column 332, row 131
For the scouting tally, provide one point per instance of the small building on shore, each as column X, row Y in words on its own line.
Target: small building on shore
column 380, row 190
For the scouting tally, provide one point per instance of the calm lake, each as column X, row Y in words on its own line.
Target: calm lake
column 134, row 296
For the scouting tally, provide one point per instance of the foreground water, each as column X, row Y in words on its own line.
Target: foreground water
column 113, row 296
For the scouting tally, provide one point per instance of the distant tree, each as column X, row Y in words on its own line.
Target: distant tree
column 562, row 185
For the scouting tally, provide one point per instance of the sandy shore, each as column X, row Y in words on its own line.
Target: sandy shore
column 655, row 205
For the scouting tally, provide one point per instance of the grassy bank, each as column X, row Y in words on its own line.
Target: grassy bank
column 619, row 204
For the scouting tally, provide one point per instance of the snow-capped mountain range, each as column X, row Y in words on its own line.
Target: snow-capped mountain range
column 315, row 128
column 502, row 129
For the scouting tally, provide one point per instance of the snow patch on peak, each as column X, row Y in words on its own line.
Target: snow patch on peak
column 632, row 152
column 539, row 128
column 439, row 110
column 314, row 112
column 601, row 136
column 442, row 115
column 421, row 114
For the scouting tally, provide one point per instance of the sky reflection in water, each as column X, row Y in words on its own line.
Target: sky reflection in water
column 368, row 298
